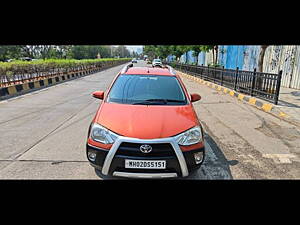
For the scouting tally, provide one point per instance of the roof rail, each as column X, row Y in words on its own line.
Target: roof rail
column 171, row 69
column 125, row 68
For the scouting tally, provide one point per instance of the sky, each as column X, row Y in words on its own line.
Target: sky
column 134, row 47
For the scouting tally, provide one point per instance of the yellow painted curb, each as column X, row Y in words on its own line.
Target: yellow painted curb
column 46, row 82
column 37, row 84
column 267, row 107
column 241, row 96
column 12, row 90
column 25, row 86
column 252, row 101
column 282, row 114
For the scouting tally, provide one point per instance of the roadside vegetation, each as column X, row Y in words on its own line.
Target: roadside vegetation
column 29, row 52
column 20, row 61
column 22, row 70
column 163, row 51
column 23, row 67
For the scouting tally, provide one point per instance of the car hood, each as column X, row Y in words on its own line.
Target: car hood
column 146, row 122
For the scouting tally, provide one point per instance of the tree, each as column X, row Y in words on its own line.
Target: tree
column 150, row 50
column 177, row 50
column 122, row 51
column 89, row 51
column 9, row 52
column 263, row 49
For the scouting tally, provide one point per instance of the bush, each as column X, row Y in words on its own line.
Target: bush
column 52, row 65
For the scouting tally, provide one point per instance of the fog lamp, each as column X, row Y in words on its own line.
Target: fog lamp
column 92, row 156
column 198, row 157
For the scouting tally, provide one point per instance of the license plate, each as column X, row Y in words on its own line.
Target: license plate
column 145, row 164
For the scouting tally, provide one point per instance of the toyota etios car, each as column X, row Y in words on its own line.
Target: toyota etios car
column 146, row 126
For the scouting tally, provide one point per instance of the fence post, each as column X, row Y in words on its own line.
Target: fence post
column 236, row 77
column 253, row 81
column 278, row 87
column 207, row 72
column 222, row 75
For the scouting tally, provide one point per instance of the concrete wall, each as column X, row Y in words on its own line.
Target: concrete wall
column 277, row 57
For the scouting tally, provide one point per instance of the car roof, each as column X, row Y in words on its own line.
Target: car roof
column 149, row 71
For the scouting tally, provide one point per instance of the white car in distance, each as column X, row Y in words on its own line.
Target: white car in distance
column 156, row 62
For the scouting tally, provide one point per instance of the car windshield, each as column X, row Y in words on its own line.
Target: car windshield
column 156, row 60
column 147, row 90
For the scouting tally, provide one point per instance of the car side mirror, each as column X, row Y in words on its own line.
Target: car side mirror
column 195, row 97
column 98, row 94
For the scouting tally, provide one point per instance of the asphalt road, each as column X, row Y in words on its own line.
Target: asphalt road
column 43, row 134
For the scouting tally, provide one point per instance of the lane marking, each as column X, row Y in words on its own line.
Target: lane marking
column 280, row 158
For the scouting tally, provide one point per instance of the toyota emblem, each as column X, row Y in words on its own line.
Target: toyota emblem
column 146, row 148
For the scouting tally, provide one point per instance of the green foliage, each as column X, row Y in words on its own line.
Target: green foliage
column 177, row 50
column 214, row 65
column 58, row 51
column 89, row 51
column 44, row 66
column 121, row 51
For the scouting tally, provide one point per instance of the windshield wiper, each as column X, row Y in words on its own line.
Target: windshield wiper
column 174, row 100
column 157, row 101
column 151, row 102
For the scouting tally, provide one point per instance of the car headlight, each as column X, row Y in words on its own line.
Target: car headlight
column 102, row 134
column 190, row 137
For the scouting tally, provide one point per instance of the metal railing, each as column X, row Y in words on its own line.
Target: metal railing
column 261, row 85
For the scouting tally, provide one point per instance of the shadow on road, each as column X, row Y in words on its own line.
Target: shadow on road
column 214, row 167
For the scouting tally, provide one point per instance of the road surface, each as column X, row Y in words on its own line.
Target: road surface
column 43, row 134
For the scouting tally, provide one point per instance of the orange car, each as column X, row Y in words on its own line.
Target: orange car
column 146, row 126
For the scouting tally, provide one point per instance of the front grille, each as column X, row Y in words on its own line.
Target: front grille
column 133, row 149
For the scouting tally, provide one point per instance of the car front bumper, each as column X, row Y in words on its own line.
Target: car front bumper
column 112, row 162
